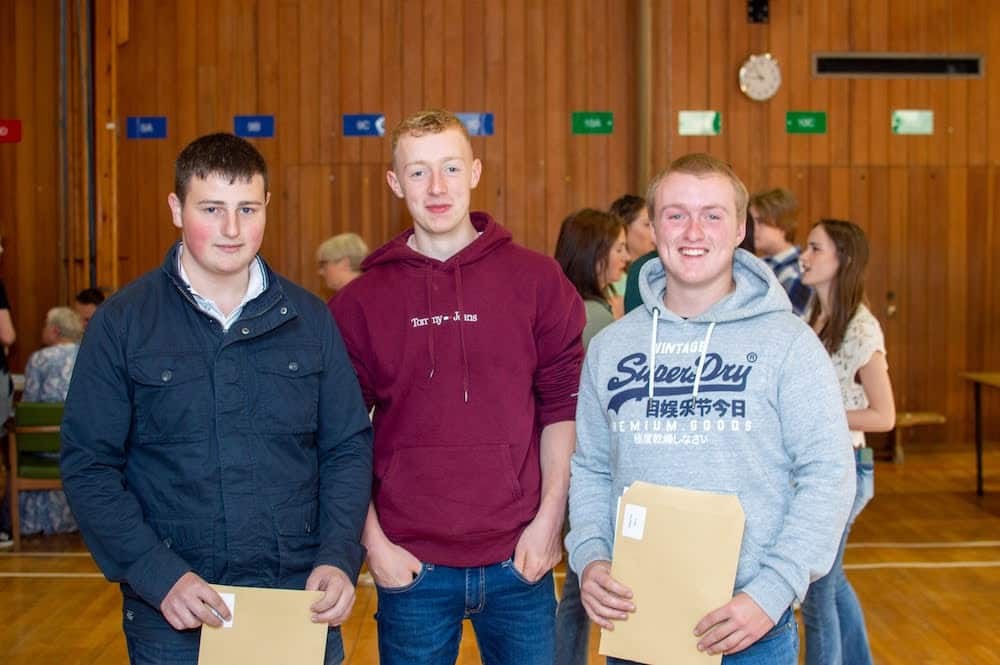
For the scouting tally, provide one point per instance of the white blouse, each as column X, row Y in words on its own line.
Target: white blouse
column 862, row 339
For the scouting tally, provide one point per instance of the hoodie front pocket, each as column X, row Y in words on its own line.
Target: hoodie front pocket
column 449, row 490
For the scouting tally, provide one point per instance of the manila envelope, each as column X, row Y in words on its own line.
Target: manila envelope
column 677, row 550
column 269, row 627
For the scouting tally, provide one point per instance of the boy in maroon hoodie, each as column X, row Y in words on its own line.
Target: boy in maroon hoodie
column 468, row 346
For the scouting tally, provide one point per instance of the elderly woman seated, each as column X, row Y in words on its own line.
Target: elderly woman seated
column 46, row 379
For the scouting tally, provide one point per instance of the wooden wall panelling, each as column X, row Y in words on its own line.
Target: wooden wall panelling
column 860, row 126
column 993, row 86
column 678, row 44
column 819, row 97
column 662, row 124
column 622, row 38
column 955, row 340
column 838, row 110
column 737, row 129
column 778, row 44
column 311, row 46
column 938, row 25
column 899, row 88
column 799, row 82
column 514, row 165
column 880, row 274
column 977, row 41
column 577, row 145
column 718, row 79
column 937, row 361
column 492, row 190
column 761, row 134
column 596, row 74
column 841, row 195
column 475, row 84
column 879, row 113
column 433, row 55
column 558, row 43
column 919, row 293
column 453, row 57
column 699, row 51
column 898, row 336
column 956, row 132
column 535, row 231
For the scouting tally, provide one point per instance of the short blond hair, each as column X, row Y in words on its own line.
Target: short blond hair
column 67, row 323
column 343, row 245
column 779, row 208
column 428, row 121
column 700, row 164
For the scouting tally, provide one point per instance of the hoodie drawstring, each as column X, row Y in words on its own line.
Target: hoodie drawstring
column 652, row 350
column 430, row 312
column 651, row 362
column 461, row 331
column 701, row 360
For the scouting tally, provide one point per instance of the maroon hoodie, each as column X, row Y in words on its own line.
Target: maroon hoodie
column 465, row 361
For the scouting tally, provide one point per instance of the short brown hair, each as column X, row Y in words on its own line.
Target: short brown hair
column 429, row 121
column 700, row 164
column 222, row 154
column 777, row 207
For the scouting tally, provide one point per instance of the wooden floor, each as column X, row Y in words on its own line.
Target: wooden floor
column 924, row 558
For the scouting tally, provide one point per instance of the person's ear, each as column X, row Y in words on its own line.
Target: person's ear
column 176, row 208
column 394, row 185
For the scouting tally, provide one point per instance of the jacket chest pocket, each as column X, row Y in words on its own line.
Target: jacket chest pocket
column 288, row 389
column 172, row 398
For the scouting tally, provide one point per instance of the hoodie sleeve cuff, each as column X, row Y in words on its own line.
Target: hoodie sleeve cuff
column 771, row 592
column 153, row 575
column 590, row 550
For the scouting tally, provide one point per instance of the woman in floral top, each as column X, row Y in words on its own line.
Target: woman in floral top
column 46, row 379
column 833, row 264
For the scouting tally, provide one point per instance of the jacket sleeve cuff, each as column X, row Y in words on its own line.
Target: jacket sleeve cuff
column 590, row 550
column 771, row 592
column 153, row 575
column 347, row 556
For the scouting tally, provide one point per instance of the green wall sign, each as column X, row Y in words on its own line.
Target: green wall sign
column 593, row 122
column 805, row 122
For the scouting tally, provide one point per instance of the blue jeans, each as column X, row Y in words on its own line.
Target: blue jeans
column 835, row 625
column 514, row 620
column 778, row 646
column 153, row 652
column 572, row 624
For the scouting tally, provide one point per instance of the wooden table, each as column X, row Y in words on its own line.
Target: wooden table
column 979, row 379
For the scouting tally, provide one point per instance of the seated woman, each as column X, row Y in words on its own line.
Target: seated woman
column 46, row 379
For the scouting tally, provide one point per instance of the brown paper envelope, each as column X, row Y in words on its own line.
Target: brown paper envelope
column 270, row 627
column 677, row 550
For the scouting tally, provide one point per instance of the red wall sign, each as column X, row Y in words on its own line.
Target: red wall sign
column 10, row 131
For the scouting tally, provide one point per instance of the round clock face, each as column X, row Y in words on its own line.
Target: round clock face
column 760, row 77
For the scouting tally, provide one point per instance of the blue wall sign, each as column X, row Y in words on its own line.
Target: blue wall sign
column 254, row 126
column 364, row 124
column 147, row 127
column 478, row 124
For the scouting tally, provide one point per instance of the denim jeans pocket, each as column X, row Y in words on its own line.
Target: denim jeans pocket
column 865, row 488
column 785, row 624
column 509, row 565
column 424, row 568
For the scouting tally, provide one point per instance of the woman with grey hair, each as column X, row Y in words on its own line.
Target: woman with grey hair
column 46, row 379
column 340, row 259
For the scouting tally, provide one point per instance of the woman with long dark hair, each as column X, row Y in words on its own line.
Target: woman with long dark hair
column 591, row 250
column 834, row 264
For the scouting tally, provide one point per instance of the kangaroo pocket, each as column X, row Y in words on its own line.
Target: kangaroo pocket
column 449, row 491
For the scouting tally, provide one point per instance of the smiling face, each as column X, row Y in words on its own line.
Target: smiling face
column 819, row 260
column 222, row 226
column 697, row 230
column 435, row 174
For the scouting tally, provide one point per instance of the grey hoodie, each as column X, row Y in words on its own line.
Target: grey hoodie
column 763, row 420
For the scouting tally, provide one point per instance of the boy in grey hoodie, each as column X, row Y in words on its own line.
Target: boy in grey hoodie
column 743, row 401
